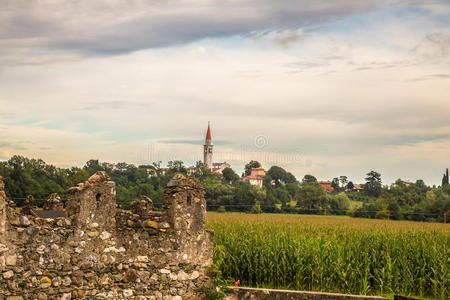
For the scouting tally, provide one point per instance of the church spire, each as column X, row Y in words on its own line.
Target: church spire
column 208, row 136
column 208, row 149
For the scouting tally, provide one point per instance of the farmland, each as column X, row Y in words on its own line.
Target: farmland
column 335, row 254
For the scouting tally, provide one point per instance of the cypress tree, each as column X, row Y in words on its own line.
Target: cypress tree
column 445, row 179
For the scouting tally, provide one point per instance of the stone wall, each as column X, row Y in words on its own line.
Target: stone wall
column 2, row 211
column 101, row 251
column 237, row 293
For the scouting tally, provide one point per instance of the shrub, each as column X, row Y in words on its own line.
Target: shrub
column 256, row 209
column 221, row 209
column 383, row 214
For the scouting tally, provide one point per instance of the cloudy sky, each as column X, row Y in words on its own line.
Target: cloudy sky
column 328, row 88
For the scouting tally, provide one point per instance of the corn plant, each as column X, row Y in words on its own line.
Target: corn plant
column 333, row 254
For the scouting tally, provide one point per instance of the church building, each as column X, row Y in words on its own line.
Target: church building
column 208, row 155
column 208, row 149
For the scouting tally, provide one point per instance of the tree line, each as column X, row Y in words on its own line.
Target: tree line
column 281, row 192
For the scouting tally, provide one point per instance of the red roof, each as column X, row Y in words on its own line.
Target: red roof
column 208, row 134
column 258, row 172
column 357, row 186
column 326, row 186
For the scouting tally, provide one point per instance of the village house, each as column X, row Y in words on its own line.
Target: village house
column 326, row 186
column 357, row 187
column 399, row 182
column 256, row 177
column 151, row 172
column 217, row 168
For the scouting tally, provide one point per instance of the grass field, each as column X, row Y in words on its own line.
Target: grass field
column 335, row 254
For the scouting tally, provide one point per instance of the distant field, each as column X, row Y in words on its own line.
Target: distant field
column 333, row 253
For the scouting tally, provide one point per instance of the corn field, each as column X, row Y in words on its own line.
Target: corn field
column 334, row 254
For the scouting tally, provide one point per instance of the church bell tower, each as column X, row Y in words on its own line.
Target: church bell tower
column 208, row 149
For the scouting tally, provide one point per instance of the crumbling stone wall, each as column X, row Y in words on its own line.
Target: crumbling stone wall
column 185, row 207
column 2, row 211
column 100, row 251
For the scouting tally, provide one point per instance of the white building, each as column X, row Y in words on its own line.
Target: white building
column 256, row 177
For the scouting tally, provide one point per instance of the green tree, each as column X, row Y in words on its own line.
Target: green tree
column 312, row 198
column 243, row 199
column 445, row 179
column 176, row 166
column 267, row 182
column 289, row 178
column 338, row 203
column 278, row 175
column 93, row 166
column 201, row 170
column 156, row 165
column 383, row 214
column 24, row 176
column 256, row 209
column 218, row 194
column 394, row 209
column 268, row 204
column 373, row 184
column 108, row 167
column 282, row 195
column 343, row 180
column 229, row 175
column 335, row 184
column 309, row 178
column 77, row 175
column 350, row 186
column 293, row 188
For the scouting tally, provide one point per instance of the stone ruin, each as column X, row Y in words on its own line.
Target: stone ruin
column 53, row 202
column 100, row 251
column 29, row 205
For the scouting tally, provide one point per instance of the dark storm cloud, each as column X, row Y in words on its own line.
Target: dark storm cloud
column 114, row 27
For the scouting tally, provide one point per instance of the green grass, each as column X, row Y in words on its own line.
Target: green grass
column 334, row 254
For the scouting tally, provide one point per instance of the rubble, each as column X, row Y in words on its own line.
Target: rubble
column 28, row 205
column 53, row 202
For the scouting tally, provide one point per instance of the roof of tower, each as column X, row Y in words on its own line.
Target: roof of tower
column 208, row 134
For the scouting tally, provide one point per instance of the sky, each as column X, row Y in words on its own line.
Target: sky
column 327, row 88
